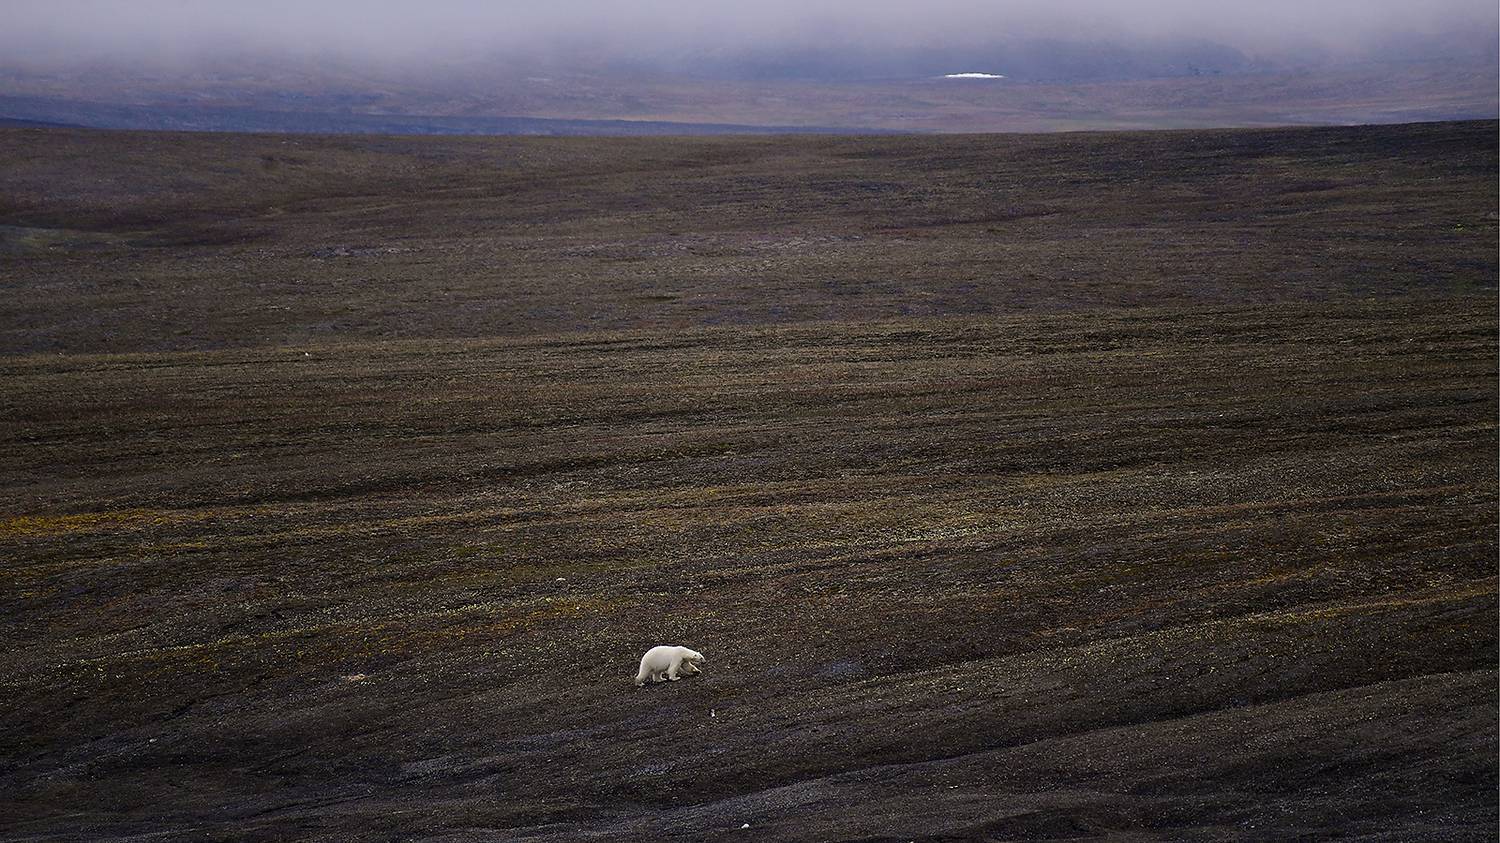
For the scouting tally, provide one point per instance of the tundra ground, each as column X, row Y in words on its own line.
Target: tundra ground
column 1015, row 487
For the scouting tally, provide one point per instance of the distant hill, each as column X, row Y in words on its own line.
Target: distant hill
column 17, row 123
column 81, row 113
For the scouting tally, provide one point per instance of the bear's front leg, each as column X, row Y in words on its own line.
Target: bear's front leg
column 672, row 671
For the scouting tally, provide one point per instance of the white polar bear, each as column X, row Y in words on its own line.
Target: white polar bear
column 675, row 662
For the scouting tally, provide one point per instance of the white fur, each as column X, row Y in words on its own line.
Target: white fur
column 674, row 662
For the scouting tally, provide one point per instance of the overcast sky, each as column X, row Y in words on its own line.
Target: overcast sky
column 67, row 31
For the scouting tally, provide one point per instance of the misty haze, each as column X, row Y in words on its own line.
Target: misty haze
column 802, row 420
column 676, row 67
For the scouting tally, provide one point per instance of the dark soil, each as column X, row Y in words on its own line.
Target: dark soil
column 1129, row 486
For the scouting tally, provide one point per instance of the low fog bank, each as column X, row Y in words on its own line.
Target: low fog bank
column 813, row 39
column 478, row 67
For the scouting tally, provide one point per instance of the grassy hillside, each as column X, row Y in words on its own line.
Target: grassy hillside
column 1053, row 487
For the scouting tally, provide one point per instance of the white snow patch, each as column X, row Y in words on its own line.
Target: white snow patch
column 972, row 75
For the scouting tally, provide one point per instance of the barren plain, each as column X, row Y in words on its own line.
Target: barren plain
column 1135, row 485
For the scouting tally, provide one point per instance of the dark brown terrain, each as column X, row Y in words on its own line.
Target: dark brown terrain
column 1137, row 486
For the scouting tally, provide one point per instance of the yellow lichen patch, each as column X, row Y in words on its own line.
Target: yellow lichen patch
column 50, row 526
column 358, row 526
column 1464, row 591
column 43, row 526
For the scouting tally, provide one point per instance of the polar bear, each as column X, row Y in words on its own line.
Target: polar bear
column 675, row 662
